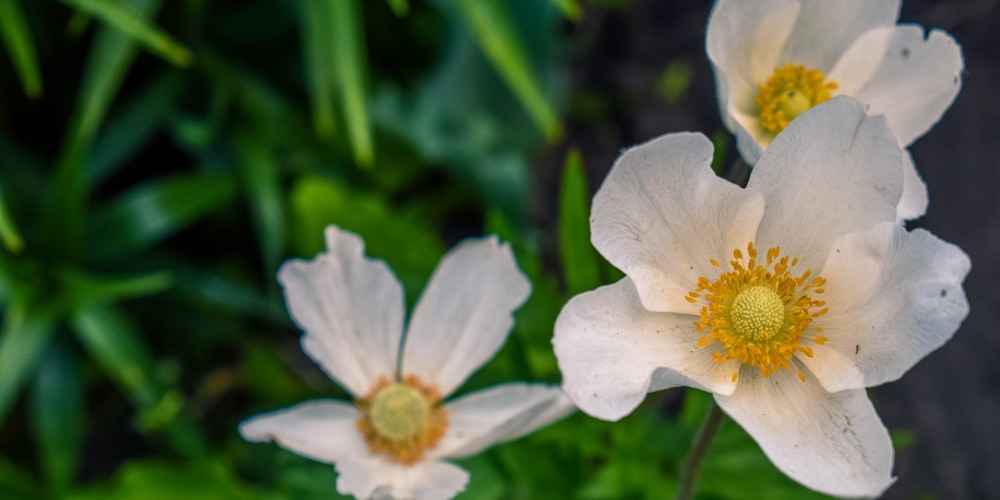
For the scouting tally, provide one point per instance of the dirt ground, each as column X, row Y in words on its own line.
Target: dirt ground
column 951, row 399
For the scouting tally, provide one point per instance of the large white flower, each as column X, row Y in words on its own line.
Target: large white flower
column 785, row 298
column 775, row 59
column 392, row 441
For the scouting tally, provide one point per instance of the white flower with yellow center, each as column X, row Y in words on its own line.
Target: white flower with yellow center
column 392, row 441
column 776, row 59
column 785, row 298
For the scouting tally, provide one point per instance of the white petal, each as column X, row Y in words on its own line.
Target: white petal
column 662, row 214
column 465, row 313
column 744, row 39
column 913, row 203
column 831, row 442
column 323, row 430
column 612, row 351
column 499, row 414
column 910, row 78
column 893, row 298
column 834, row 170
column 350, row 308
column 376, row 477
column 824, row 30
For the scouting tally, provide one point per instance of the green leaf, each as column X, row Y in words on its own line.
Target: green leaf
column 135, row 24
column 347, row 45
column 9, row 234
column 151, row 479
column 581, row 265
column 570, row 9
column 23, row 339
column 400, row 7
column 85, row 287
column 16, row 484
column 490, row 23
column 153, row 211
column 17, row 39
column 261, row 179
column 319, row 65
column 56, row 409
column 111, row 54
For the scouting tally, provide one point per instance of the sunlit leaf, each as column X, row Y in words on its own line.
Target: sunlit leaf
column 10, row 236
column 400, row 7
column 136, row 25
column 152, row 211
column 581, row 265
column 23, row 340
column 56, row 407
column 319, row 65
column 16, row 37
column 159, row 480
column 490, row 23
column 570, row 9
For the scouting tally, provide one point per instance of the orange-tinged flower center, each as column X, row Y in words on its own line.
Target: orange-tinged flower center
column 790, row 91
column 402, row 419
column 759, row 312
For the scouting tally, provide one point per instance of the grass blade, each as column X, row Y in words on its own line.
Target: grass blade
column 56, row 406
column 261, row 181
column 490, row 23
column 9, row 234
column 347, row 44
column 319, row 66
column 581, row 265
column 22, row 342
column 136, row 25
column 17, row 39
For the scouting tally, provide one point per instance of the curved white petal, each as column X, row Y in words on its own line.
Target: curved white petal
column 612, row 351
column 350, row 308
column 898, row 72
column 913, row 202
column 465, row 313
column 376, row 477
column 824, row 30
column 831, row 442
column 744, row 40
column 662, row 214
column 323, row 430
column 499, row 414
column 893, row 297
column 834, row 170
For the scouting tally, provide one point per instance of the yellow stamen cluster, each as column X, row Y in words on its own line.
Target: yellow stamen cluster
column 402, row 419
column 789, row 92
column 758, row 311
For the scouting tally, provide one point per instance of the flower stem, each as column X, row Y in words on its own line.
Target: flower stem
column 689, row 476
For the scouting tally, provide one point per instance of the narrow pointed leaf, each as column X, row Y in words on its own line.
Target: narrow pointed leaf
column 136, row 25
column 17, row 39
column 56, row 409
column 569, row 8
column 261, row 180
column 153, row 211
column 319, row 65
column 490, row 23
column 581, row 265
column 9, row 234
column 23, row 339
column 351, row 65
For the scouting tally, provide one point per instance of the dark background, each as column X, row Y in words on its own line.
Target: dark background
column 951, row 399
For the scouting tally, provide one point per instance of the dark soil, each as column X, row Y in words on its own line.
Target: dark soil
column 951, row 399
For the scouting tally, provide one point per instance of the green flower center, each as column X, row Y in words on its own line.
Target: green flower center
column 399, row 412
column 757, row 313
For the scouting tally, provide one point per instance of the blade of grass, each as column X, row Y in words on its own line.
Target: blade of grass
column 23, row 339
column 261, row 181
column 319, row 70
column 570, row 9
column 56, row 406
column 399, row 7
column 153, row 211
column 17, row 39
column 9, row 234
column 581, row 265
column 347, row 44
column 64, row 213
column 136, row 25
column 490, row 23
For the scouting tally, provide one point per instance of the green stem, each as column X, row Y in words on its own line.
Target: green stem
column 689, row 476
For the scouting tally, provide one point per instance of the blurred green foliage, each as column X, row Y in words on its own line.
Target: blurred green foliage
column 182, row 150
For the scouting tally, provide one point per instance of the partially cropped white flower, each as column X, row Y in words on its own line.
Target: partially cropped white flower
column 785, row 298
column 392, row 441
column 775, row 59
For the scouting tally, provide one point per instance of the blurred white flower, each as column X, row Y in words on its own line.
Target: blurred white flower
column 775, row 59
column 391, row 442
column 785, row 299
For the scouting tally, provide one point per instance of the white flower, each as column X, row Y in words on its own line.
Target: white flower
column 391, row 444
column 774, row 59
column 785, row 299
